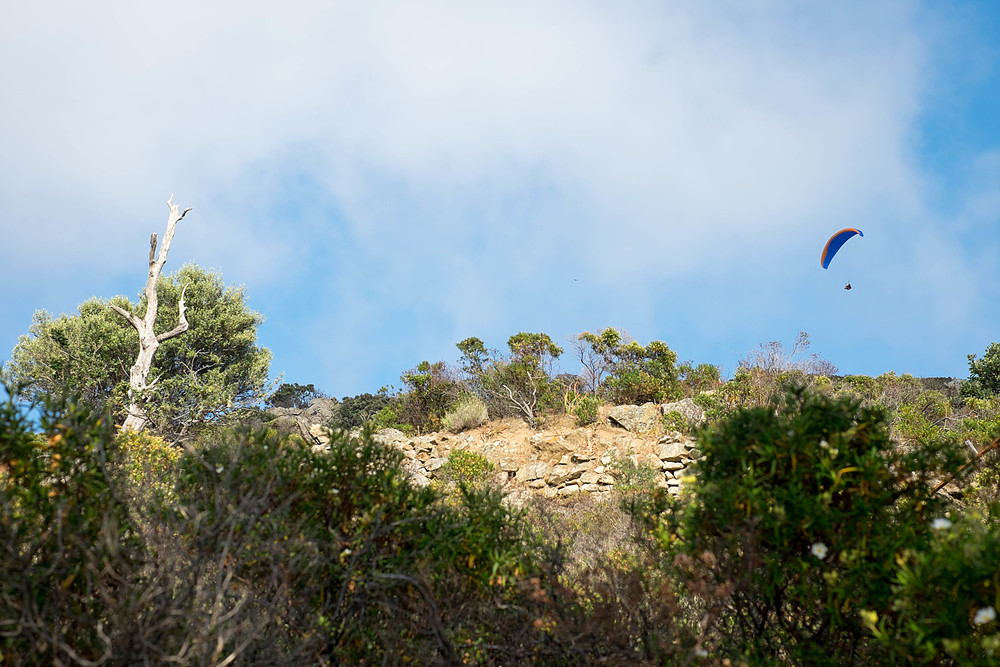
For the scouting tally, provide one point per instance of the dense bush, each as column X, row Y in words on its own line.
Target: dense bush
column 294, row 395
column 67, row 545
column 356, row 411
column 984, row 374
column 793, row 541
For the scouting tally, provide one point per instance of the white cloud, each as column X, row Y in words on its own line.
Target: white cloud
column 636, row 142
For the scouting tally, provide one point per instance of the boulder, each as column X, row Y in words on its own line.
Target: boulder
column 635, row 418
column 687, row 409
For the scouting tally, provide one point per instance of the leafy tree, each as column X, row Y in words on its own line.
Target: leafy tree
column 294, row 395
column 626, row 372
column 984, row 374
column 519, row 383
column 431, row 390
column 355, row 411
column 214, row 369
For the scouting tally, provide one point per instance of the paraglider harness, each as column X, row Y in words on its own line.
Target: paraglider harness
column 848, row 286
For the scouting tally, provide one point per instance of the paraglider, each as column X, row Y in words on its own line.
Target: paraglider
column 835, row 243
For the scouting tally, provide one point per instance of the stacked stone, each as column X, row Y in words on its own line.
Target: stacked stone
column 674, row 453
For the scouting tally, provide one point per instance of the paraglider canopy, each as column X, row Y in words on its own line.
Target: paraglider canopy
column 835, row 243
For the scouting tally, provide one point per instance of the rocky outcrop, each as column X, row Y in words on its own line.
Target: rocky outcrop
column 636, row 418
column 582, row 460
column 688, row 410
column 302, row 420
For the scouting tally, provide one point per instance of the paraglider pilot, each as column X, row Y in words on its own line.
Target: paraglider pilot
column 847, row 286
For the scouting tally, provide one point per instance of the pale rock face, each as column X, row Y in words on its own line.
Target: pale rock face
column 636, row 418
column 687, row 409
column 550, row 464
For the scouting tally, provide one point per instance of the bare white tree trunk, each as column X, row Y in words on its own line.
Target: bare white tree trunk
column 137, row 419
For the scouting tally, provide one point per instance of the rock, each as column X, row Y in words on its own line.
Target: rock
column 550, row 443
column 635, row 418
column 569, row 490
column 589, row 477
column 509, row 465
column 672, row 465
column 561, row 474
column 533, row 471
column 321, row 436
column 671, row 436
column 672, row 451
column 389, row 436
column 688, row 410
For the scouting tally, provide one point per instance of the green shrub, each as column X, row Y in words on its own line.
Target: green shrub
column 67, row 543
column 293, row 395
column 468, row 412
column 800, row 514
column 431, row 390
column 352, row 563
column 984, row 374
column 147, row 466
column 356, row 411
column 465, row 467
column 633, row 478
column 587, row 410
column 675, row 421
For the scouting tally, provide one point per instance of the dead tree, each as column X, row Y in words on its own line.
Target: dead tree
column 137, row 419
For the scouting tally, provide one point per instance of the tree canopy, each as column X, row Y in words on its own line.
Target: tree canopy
column 215, row 368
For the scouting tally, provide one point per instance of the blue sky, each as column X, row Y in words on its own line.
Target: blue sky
column 389, row 178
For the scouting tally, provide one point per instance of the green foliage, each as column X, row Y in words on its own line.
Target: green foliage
column 675, row 421
column 65, row 537
column 799, row 515
column 468, row 412
column 146, row 466
column 697, row 379
column 465, row 467
column 432, row 390
column 293, row 395
column 586, row 410
column 212, row 370
column 356, row 411
column 633, row 478
column 984, row 374
column 520, row 383
column 634, row 374
column 944, row 597
column 362, row 557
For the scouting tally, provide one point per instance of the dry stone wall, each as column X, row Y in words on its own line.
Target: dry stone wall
column 556, row 462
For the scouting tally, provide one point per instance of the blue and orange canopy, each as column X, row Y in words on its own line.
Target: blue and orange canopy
column 834, row 244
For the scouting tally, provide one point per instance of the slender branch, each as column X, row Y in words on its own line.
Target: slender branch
column 182, row 323
column 988, row 448
column 132, row 319
column 152, row 248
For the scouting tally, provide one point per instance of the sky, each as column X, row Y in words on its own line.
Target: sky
column 390, row 178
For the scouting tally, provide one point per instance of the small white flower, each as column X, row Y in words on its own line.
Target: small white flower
column 985, row 615
column 819, row 550
column 941, row 523
column 346, row 552
column 700, row 652
column 218, row 469
column 824, row 444
column 791, row 433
